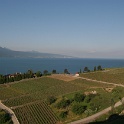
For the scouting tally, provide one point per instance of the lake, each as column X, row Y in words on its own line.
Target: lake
column 12, row 65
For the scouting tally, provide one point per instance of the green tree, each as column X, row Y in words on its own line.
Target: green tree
column 17, row 77
column 1, row 79
column 63, row 103
column 29, row 74
column 54, row 71
column 80, row 71
column 7, row 80
column 79, row 97
column 11, row 79
column 5, row 118
column 38, row 74
column 51, row 99
column 95, row 68
column 45, row 72
column 78, row 108
column 66, row 71
column 96, row 102
column 23, row 76
column 87, row 99
column 86, row 69
column 63, row 114
column 99, row 68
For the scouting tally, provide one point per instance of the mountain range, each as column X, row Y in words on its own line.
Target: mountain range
column 5, row 52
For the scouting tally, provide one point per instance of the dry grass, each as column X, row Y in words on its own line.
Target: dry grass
column 64, row 77
column 109, row 89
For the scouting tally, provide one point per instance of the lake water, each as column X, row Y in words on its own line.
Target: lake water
column 12, row 65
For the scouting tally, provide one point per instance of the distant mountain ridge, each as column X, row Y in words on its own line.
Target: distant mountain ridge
column 5, row 52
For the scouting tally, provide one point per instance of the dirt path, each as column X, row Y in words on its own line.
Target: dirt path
column 13, row 116
column 95, row 116
column 101, row 81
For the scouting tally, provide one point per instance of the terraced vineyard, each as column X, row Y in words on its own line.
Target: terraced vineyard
column 25, row 96
column 19, row 101
column 8, row 92
column 37, row 113
column 39, row 89
column 110, row 75
column 89, row 84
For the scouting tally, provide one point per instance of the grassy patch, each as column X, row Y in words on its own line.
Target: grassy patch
column 110, row 75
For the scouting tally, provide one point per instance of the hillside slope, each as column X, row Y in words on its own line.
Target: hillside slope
column 4, row 52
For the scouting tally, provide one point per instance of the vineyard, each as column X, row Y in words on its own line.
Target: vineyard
column 19, row 101
column 8, row 92
column 40, row 89
column 111, row 75
column 89, row 84
column 25, row 97
column 37, row 113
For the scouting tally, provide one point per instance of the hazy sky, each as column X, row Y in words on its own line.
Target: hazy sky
column 82, row 28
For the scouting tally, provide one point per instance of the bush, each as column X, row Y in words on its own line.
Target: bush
column 87, row 99
column 38, row 74
column 79, row 97
column 4, row 117
column 45, row 72
column 99, row 68
column 95, row 106
column 63, row 114
column 63, row 103
column 51, row 99
column 78, row 108
column 66, row 71
column 54, row 71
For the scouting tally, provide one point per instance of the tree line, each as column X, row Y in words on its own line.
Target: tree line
column 19, row 76
column 96, row 68
column 30, row 74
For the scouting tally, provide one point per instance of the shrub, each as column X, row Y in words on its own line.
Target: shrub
column 45, row 72
column 38, row 74
column 63, row 103
column 4, row 117
column 99, row 68
column 79, row 97
column 66, row 71
column 63, row 114
column 95, row 106
column 87, row 99
column 78, row 108
column 51, row 99
column 54, row 71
